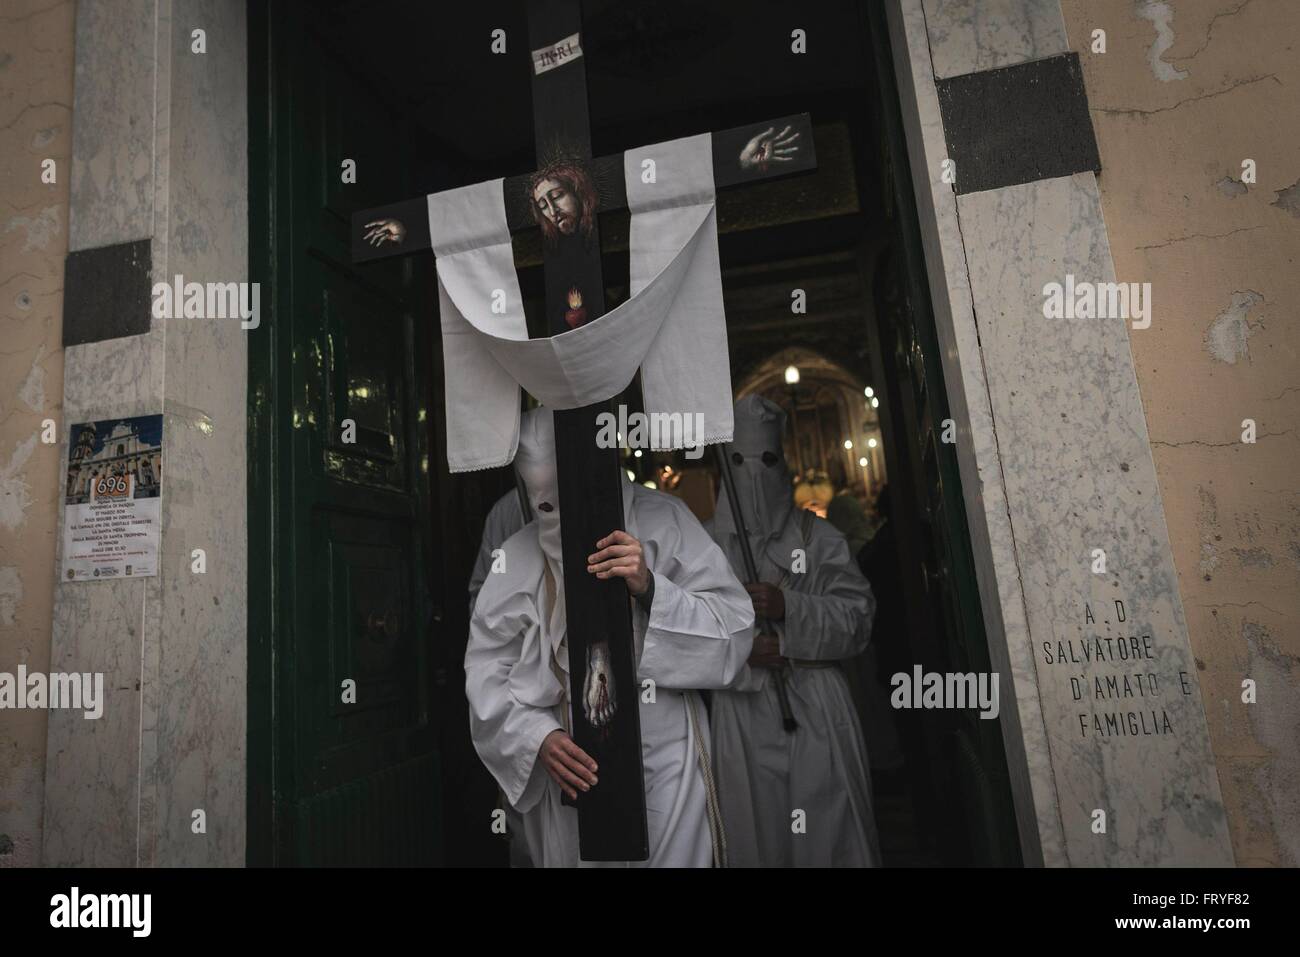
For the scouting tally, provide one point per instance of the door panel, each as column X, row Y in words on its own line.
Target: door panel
column 967, row 759
column 353, row 755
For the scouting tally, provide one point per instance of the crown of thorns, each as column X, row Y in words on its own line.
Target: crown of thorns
column 575, row 178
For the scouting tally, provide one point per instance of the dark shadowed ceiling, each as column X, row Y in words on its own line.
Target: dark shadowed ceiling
column 650, row 65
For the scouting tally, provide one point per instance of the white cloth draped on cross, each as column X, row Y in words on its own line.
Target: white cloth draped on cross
column 672, row 327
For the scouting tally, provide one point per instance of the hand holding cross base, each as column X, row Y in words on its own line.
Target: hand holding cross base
column 618, row 555
column 568, row 765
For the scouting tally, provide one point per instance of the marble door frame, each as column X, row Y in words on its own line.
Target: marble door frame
column 160, row 163
column 1033, row 510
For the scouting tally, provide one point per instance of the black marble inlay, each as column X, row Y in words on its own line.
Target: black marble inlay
column 1018, row 124
column 106, row 293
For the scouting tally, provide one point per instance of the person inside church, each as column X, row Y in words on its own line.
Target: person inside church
column 692, row 626
column 844, row 511
column 814, row 611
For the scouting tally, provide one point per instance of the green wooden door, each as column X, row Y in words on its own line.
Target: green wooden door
column 970, row 803
column 340, row 487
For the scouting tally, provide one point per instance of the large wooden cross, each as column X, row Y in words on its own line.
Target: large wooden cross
column 612, row 822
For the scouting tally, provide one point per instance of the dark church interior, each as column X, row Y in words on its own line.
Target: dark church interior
column 412, row 92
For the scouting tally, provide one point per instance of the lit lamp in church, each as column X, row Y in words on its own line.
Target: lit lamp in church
column 872, row 443
column 848, row 445
column 792, row 380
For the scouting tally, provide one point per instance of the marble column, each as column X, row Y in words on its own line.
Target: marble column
column 1056, row 463
column 160, row 153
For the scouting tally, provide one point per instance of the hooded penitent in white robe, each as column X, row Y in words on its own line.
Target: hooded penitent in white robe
column 504, row 519
column 697, row 634
column 763, row 772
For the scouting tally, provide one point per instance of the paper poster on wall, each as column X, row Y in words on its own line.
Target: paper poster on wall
column 113, row 494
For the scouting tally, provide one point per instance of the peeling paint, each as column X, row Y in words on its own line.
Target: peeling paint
column 32, row 391
column 1172, row 181
column 1254, row 557
column 1232, row 188
column 15, row 498
column 11, row 595
column 45, row 137
column 1161, row 16
column 1209, row 558
column 37, row 105
column 1207, row 519
column 1226, row 339
column 1289, row 199
column 1209, row 506
column 40, row 231
column 1275, row 721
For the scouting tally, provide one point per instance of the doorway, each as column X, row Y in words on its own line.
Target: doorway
column 363, row 543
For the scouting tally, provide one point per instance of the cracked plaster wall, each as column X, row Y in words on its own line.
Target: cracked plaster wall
column 1185, row 92
column 36, row 63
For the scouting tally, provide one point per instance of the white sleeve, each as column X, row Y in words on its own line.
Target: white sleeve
column 503, row 520
column 504, row 685
column 830, row 619
column 700, row 626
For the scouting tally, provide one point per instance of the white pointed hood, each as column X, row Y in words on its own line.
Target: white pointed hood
column 763, row 488
column 535, row 464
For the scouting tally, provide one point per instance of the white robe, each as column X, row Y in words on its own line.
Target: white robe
column 503, row 520
column 764, row 773
column 698, row 634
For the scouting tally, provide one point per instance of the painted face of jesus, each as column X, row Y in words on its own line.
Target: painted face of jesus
column 557, row 203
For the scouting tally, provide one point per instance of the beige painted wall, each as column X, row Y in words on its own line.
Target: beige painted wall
column 36, row 63
column 1184, row 93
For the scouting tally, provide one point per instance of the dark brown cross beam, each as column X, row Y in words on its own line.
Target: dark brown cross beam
column 611, row 817
column 402, row 228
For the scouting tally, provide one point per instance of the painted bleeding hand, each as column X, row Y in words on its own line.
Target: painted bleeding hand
column 769, row 147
